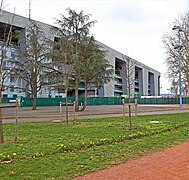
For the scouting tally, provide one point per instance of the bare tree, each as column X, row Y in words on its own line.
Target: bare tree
column 174, row 87
column 6, row 38
column 171, row 42
column 62, row 70
column 33, row 61
column 1, row 69
column 185, row 89
column 130, row 77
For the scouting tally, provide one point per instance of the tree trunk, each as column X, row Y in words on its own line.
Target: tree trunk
column 76, row 95
column 130, row 120
column 85, row 98
column 129, row 93
column 34, row 90
column 85, row 101
column 1, row 123
column 34, row 98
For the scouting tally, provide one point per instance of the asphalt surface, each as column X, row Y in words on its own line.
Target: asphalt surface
column 26, row 114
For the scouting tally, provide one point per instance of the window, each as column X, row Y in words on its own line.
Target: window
column 56, row 39
column 4, row 64
column 6, row 30
column 60, row 89
column 14, row 96
column 12, row 78
column 13, row 55
column 11, row 88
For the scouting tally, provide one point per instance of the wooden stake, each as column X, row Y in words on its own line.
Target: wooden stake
column 123, row 101
column 61, row 112
column 16, row 125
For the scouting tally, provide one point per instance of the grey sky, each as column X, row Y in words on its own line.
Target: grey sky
column 133, row 27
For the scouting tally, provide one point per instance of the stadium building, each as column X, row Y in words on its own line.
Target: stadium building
column 146, row 81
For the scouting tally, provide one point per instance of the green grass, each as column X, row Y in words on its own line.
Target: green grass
column 60, row 151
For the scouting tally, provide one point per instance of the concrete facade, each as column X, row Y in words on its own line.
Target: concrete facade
column 145, row 80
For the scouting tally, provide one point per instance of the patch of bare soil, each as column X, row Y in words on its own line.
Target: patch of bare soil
column 170, row 164
column 14, row 142
column 126, row 127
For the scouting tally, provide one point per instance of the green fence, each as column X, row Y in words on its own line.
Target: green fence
column 162, row 100
column 27, row 102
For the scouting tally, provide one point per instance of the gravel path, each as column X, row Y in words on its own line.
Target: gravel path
column 170, row 164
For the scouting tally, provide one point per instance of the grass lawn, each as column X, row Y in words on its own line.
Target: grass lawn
column 60, row 151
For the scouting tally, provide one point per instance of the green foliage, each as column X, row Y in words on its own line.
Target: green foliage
column 96, row 69
column 86, row 57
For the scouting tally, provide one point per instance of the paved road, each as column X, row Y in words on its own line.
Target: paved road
column 25, row 114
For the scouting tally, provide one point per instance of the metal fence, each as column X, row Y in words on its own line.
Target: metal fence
column 26, row 102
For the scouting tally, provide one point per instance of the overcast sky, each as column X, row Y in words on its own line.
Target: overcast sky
column 133, row 27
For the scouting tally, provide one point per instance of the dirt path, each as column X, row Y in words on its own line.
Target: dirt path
column 170, row 164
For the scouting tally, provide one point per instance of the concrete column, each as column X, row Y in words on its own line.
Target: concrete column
column 145, row 82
